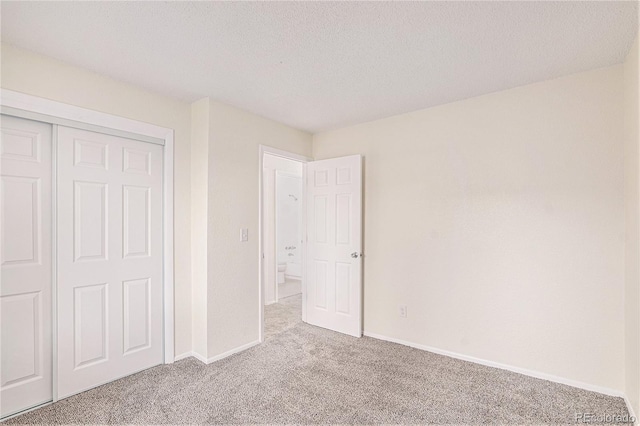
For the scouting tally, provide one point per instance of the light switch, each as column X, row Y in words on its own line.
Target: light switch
column 244, row 235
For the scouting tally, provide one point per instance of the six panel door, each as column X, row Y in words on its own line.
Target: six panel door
column 109, row 248
column 25, row 257
column 334, row 244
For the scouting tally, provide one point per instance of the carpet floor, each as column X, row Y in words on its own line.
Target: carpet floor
column 281, row 316
column 307, row 375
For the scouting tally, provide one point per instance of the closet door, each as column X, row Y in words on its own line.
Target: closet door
column 109, row 258
column 25, row 258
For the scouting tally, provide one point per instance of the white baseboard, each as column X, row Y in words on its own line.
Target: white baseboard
column 217, row 357
column 182, row 356
column 526, row 372
column 233, row 351
column 199, row 357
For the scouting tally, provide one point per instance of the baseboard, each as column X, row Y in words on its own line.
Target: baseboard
column 223, row 355
column 182, row 356
column 199, row 357
column 232, row 351
column 526, row 372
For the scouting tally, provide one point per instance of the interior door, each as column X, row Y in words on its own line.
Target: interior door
column 25, row 256
column 334, row 244
column 109, row 221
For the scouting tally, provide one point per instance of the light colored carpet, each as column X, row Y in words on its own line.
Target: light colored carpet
column 307, row 375
column 283, row 315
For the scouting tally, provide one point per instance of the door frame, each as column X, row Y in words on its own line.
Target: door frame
column 57, row 113
column 262, row 150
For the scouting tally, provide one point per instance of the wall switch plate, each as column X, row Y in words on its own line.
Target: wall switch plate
column 402, row 310
column 244, row 235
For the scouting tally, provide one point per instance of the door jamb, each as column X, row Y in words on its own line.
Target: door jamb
column 264, row 149
column 47, row 108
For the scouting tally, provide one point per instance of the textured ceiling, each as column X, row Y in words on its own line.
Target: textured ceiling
column 318, row 66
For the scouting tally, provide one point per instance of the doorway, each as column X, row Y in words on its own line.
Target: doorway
column 282, row 240
column 326, row 219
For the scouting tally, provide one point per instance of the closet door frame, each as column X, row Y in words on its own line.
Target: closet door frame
column 57, row 113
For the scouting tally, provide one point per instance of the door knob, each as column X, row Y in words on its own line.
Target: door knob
column 355, row 254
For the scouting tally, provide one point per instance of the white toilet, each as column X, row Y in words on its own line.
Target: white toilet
column 281, row 268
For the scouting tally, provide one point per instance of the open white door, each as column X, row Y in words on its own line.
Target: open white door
column 334, row 244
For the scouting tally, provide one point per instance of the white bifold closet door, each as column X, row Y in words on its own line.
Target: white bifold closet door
column 25, row 256
column 109, row 257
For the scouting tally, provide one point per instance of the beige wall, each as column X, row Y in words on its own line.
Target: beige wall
column 499, row 222
column 235, row 136
column 38, row 75
column 632, row 235
column 224, row 180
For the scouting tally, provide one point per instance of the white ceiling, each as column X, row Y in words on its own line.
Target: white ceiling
column 318, row 66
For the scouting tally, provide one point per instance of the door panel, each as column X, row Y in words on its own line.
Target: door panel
column 90, row 227
column 109, row 258
column 334, row 232
column 91, row 327
column 25, row 257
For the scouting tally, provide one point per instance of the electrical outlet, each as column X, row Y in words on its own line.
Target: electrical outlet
column 244, row 235
column 402, row 310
